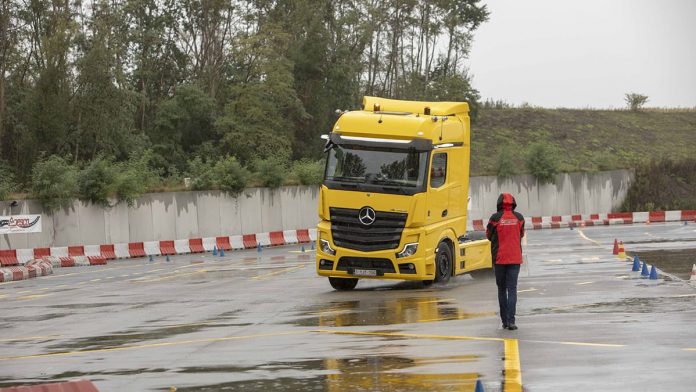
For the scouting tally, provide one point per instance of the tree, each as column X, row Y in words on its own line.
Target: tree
column 635, row 101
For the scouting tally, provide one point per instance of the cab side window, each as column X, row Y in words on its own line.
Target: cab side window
column 438, row 170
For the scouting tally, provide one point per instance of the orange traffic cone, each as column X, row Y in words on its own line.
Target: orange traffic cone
column 622, row 252
column 693, row 274
column 616, row 247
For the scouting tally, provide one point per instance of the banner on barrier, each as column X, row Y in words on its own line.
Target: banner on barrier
column 19, row 224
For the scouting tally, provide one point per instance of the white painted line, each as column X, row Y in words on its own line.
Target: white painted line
column 583, row 283
column 526, row 290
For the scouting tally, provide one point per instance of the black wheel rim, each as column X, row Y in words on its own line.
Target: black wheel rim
column 443, row 265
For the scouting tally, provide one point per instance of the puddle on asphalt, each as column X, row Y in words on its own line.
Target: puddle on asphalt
column 677, row 262
column 372, row 373
column 627, row 305
column 71, row 375
column 118, row 339
column 380, row 311
column 41, row 317
column 85, row 306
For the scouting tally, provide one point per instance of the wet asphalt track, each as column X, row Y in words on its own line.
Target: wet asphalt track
column 249, row 323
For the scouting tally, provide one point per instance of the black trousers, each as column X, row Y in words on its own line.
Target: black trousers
column 506, row 279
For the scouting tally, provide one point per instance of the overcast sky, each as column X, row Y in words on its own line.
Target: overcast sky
column 587, row 53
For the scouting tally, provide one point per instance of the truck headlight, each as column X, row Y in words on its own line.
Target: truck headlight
column 409, row 250
column 326, row 247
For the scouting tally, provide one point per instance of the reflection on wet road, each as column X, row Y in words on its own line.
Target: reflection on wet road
column 381, row 311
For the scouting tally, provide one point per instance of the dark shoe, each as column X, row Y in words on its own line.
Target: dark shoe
column 512, row 327
column 505, row 326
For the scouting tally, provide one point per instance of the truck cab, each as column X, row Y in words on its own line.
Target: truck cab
column 393, row 204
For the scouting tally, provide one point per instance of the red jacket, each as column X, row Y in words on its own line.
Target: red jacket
column 505, row 231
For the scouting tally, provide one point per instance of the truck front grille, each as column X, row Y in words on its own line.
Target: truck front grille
column 348, row 232
column 350, row 263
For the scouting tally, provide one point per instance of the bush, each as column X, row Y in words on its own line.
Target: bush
column 7, row 181
column 506, row 164
column 54, row 182
column 97, row 182
column 309, row 172
column 271, row 172
column 135, row 177
column 201, row 173
column 635, row 101
column 541, row 162
column 231, row 176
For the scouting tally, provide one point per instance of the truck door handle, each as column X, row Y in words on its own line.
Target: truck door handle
column 444, row 213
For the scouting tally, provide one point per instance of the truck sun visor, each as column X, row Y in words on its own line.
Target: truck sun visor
column 417, row 144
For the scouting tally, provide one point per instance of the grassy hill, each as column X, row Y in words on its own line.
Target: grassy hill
column 583, row 139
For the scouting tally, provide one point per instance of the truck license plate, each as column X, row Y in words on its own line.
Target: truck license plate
column 364, row 272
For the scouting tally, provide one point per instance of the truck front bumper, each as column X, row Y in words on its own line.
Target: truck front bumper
column 383, row 264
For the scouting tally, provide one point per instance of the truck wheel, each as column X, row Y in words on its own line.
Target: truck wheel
column 443, row 263
column 485, row 273
column 343, row 284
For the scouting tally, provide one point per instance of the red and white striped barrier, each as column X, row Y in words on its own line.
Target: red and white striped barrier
column 618, row 218
column 85, row 255
column 32, row 269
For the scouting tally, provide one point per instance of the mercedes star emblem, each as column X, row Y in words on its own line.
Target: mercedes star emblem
column 367, row 216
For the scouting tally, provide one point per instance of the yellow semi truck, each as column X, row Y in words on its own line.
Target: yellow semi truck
column 393, row 204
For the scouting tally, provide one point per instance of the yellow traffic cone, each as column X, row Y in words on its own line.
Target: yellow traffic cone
column 622, row 252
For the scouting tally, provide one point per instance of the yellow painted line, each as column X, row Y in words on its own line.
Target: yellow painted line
column 580, row 232
column 176, row 274
column 24, row 292
column 283, row 271
column 591, row 344
column 583, row 283
column 436, row 301
column 690, row 349
column 29, row 338
column 152, row 345
column 33, row 296
column 577, row 343
column 526, row 290
column 468, row 315
column 3, row 296
column 95, row 280
column 408, row 335
column 513, row 370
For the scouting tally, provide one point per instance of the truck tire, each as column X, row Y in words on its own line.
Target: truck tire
column 343, row 284
column 481, row 274
column 443, row 263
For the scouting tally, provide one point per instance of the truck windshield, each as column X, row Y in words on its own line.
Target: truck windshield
column 376, row 169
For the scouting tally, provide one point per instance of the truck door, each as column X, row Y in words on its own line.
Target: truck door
column 438, row 191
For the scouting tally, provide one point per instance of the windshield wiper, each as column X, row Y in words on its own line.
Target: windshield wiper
column 345, row 179
column 392, row 185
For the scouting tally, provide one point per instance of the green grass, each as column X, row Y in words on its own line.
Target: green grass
column 586, row 140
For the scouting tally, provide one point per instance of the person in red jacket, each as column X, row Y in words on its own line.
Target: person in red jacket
column 505, row 231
